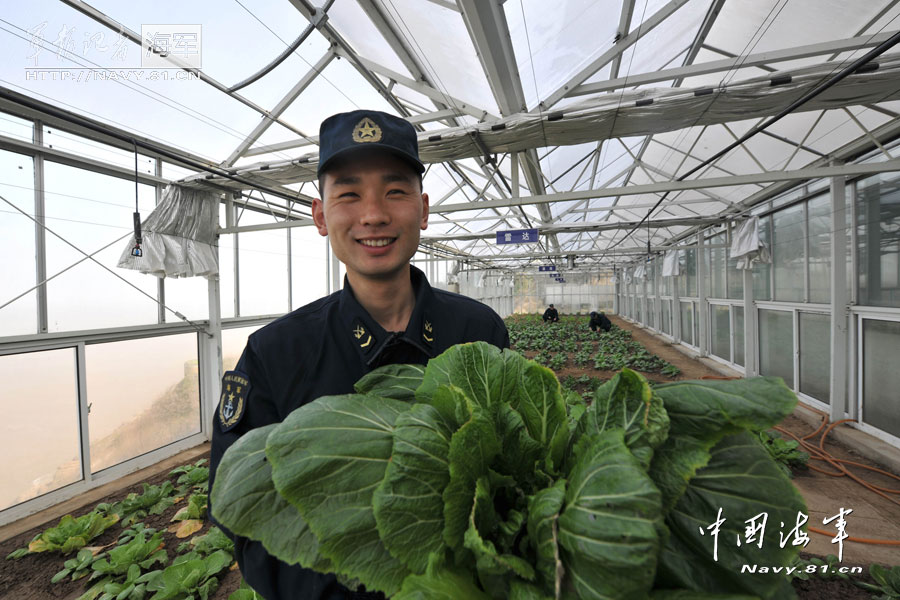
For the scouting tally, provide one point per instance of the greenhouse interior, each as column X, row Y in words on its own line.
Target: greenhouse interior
column 684, row 216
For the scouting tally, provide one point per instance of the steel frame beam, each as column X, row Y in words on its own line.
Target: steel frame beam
column 721, row 66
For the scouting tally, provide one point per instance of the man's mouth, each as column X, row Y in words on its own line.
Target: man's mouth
column 376, row 243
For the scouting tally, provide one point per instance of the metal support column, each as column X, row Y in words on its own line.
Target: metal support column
column 676, row 311
column 617, row 289
column 657, row 276
column 211, row 358
column 702, row 304
column 645, row 316
column 839, row 298
column 751, row 356
column 40, row 237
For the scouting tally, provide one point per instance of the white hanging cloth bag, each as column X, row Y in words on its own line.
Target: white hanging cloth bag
column 178, row 236
column 671, row 267
column 746, row 246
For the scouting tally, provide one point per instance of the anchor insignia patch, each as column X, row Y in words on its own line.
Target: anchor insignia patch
column 233, row 403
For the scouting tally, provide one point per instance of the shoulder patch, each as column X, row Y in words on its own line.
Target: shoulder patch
column 233, row 403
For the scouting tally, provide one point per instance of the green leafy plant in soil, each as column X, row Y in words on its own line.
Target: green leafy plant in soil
column 120, row 573
column 887, row 582
column 186, row 577
column 154, row 500
column 479, row 478
column 69, row 535
column 193, row 477
column 784, row 452
column 195, row 508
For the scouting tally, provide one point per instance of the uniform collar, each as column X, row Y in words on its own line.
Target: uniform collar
column 370, row 339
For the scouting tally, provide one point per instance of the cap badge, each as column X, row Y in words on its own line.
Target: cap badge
column 366, row 131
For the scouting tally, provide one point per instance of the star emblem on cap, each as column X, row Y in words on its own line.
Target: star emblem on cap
column 366, row 131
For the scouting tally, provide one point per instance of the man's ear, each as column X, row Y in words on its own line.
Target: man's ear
column 318, row 214
column 424, row 224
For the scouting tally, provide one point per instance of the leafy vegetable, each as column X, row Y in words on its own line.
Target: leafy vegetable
column 72, row 534
column 195, row 509
column 187, row 577
column 477, row 477
column 153, row 501
column 192, row 477
column 887, row 580
column 783, row 452
column 78, row 567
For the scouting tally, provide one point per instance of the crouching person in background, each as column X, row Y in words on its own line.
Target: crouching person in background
column 599, row 321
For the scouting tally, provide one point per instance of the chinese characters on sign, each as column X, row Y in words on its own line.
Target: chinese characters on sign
column 755, row 528
column 518, row 236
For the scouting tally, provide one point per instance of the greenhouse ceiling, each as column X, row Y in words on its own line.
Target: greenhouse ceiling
column 577, row 118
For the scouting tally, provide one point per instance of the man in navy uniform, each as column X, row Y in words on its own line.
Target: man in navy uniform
column 372, row 208
column 551, row 315
column 599, row 321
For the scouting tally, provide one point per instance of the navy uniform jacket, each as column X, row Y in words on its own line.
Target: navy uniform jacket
column 322, row 349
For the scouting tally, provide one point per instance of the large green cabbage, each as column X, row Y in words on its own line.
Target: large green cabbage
column 472, row 478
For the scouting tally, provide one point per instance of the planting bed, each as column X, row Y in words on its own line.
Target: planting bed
column 29, row 578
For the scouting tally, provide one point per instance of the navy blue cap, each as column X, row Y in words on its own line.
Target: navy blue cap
column 349, row 132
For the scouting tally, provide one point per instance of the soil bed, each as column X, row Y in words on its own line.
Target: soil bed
column 29, row 577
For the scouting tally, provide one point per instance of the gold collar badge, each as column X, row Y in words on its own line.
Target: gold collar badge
column 366, row 131
column 428, row 329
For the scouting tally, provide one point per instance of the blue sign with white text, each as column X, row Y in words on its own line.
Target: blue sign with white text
column 518, row 236
column 547, row 268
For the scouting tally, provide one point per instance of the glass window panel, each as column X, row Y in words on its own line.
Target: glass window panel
column 776, row 345
column 819, row 214
column 788, row 253
column 691, row 260
column 881, row 378
column 91, row 210
column 262, row 268
column 16, row 127
column 720, row 331
column 815, row 355
column 716, row 268
column 233, row 342
column 667, row 316
column 738, row 334
column 82, row 146
column 762, row 289
column 133, row 409
column 687, row 323
column 189, row 296
column 40, row 392
column 17, row 245
column 735, row 278
column 878, row 239
column 308, row 273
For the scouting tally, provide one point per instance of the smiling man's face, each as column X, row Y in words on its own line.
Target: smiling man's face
column 372, row 210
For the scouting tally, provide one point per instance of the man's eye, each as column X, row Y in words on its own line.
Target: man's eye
column 397, row 191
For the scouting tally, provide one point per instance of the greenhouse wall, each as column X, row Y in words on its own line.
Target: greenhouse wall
column 792, row 298
column 580, row 293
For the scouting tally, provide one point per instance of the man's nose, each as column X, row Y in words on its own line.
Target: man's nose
column 374, row 210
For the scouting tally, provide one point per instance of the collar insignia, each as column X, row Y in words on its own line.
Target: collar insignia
column 233, row 402
column 366, row 131
column 363, row 337
column 428, row 334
